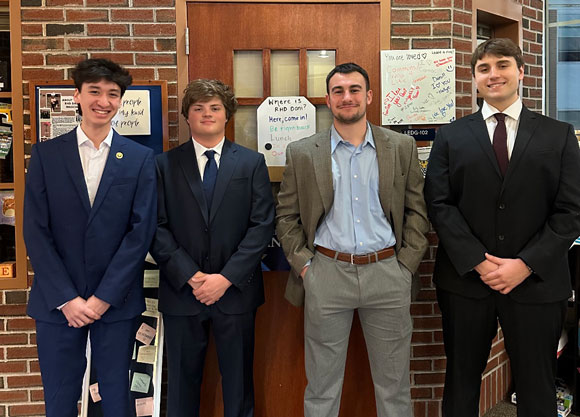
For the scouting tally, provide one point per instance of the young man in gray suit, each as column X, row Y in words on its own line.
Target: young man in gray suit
column 352, row 221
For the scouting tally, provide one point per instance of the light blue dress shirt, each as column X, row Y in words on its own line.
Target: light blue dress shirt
column 356, row 222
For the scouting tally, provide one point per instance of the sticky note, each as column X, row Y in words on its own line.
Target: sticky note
column 140, row 383
column 145, row 334
column 147, row 354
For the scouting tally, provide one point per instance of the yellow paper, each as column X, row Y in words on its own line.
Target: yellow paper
column 147, row 354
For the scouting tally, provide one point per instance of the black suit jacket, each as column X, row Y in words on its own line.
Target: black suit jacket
column 230, row 240
column 532, row 214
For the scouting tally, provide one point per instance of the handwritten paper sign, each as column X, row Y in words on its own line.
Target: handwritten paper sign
column 140, row 382
column 418, row 86
column 144, row 406
column 282, row 120
column 145, row 334
column 133, row 116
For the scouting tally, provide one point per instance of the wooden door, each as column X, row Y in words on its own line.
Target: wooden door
column 283, row 40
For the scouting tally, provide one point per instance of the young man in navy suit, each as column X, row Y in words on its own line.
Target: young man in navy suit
column 503, row 192
column 89, row 218
column 216, row 218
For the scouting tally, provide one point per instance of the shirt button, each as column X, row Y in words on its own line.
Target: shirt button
column 358, row 220
column 356, row 176
column 360, row 243
column 356, row 199
column 501, row 206
column 501, row 237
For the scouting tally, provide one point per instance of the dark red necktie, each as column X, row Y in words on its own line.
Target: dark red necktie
column 500, row 143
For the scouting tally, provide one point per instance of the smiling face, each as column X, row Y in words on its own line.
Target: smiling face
column 348, row 97
column 497, row 79
column 99, row 103
column 207, row 121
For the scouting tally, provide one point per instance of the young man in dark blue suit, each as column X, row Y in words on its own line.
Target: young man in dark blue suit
column 89, row 217
column 216, row 218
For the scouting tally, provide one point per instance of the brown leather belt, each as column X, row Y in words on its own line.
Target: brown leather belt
column 367, row 258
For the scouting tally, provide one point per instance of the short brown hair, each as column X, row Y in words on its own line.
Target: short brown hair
column 203, row 90
column 497, row 47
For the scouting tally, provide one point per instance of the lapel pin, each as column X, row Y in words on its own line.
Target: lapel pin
column 119, row 155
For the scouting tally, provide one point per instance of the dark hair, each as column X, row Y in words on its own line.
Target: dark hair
column 97, row 69
column 497, row 47
column 203, row 90
column 348, row 68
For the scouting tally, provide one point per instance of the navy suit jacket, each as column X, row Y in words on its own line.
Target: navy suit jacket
column 230, row 240
column 533, row 213
column 79, row 250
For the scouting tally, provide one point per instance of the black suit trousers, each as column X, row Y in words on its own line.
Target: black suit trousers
column 186, row 338
column 531, row 333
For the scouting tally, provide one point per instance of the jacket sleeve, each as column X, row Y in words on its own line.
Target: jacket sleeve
column 415, row 223
column 243, row 261
column 289, row 228
column 130, row 255
column 563, row 225
column 166, row 251
column 463, row 247
column 51, row 276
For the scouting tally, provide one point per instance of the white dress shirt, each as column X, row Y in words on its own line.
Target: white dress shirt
column 512, row 121
column 93, row 160
column 202, row 159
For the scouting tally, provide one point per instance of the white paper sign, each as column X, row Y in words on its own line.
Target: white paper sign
column 133, row 117
column 282, row 120
column 418, row 86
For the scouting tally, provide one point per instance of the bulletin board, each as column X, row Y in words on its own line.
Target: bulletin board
column 417, row 86
column 53, row 112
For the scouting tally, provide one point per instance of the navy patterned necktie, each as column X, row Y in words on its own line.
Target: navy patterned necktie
column 500, row 143
column 209, row 176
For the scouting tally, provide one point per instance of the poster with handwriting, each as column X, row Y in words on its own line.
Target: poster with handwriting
column 282, row 120
column 133, row 116
column 418, row 86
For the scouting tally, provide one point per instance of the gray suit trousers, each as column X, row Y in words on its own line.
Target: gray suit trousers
column 381, row 292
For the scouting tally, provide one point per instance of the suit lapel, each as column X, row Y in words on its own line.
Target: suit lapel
column 110, row 172
column 188, row 163
column 386, row 161
column 228, row 162
column 322, row 161
column 72, row 161
column 479, row 131
column 527, row 125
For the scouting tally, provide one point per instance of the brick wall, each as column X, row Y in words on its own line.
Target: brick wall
column 421, row 24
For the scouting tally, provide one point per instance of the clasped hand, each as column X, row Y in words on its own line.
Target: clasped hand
column 502, row 274
column 208, row 288
column 80, row 312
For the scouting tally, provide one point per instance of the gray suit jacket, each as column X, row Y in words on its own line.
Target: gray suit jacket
column 306, row 196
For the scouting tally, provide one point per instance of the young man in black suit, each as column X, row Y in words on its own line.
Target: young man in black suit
column 216, row 218
column 503, row 192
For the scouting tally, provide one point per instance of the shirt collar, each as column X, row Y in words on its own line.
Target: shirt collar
column 82, row 138
column 512, row 111
column 336, row 139
column 200, row 149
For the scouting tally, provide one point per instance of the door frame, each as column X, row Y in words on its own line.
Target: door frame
column 182, row 42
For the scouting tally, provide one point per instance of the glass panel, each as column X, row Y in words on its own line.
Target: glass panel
column 248, row 74
column 323, row 118
column 6, row 160
column 7, row 233
column 562, row 54
column 284, row 73
column 246, row 127
column 320, row 63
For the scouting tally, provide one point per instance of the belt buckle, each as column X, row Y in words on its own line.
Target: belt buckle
column 352, row 258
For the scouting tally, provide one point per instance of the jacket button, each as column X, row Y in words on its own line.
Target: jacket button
column 501, row 237
column 501, row 206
